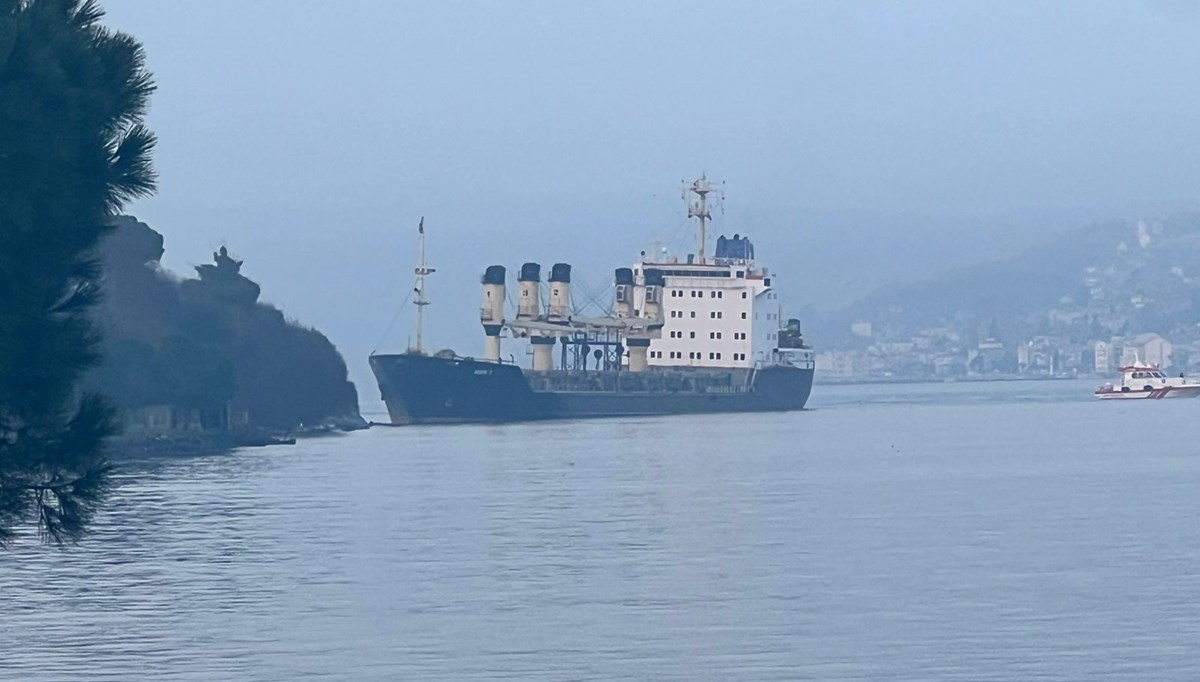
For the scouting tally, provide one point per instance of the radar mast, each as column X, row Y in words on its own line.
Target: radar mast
column 699, row 209
column 422, row 270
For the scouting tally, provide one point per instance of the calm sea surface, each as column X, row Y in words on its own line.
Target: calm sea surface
column 1008, row 531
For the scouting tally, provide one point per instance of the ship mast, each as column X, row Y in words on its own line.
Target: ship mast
column 422, row 270
column 699, row 209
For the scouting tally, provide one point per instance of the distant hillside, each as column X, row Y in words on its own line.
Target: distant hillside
column 208, row 346
column 1118, row 276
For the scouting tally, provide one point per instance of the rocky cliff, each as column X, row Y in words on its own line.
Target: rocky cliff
column 207, row 346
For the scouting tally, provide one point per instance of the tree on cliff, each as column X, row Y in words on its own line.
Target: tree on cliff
column 73, row 150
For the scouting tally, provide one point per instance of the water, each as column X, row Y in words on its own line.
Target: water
column 967, row 531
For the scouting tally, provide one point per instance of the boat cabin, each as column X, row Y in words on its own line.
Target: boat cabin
column 1134, row 373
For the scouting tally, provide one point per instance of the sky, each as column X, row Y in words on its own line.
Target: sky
column 861, row 143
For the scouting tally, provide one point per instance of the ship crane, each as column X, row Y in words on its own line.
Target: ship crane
column 616, row 324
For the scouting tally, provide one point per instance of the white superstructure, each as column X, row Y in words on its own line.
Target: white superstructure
column 718, row 312
column 723, row 314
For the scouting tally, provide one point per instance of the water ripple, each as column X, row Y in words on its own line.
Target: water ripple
column 875, row 537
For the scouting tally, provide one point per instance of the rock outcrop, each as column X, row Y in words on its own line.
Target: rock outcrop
column 209, row 349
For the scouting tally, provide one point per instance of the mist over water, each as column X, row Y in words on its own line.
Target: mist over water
column 963, row 531
column 982, row 531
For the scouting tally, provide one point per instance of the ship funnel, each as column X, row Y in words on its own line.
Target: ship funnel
column 560, row 292
column 790, row 336
column 639, row 344
column 530, row 272
column 543, row 352
column 491, row 314
column 529, row 305
column 624, row 293
column 655, row 280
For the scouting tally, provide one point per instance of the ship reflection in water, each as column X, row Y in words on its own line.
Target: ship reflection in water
column 698, row 336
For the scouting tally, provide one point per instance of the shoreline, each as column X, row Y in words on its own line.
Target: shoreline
column 965, row 380
column 197, row 443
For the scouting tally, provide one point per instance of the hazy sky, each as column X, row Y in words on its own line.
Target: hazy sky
column 860, row 142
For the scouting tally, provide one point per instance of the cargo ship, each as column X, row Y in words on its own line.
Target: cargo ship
column 686, row 335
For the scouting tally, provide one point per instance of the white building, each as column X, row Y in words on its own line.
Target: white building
column 1103, row 357
column 861, row 329
column 1148, row 348
column 835, row 364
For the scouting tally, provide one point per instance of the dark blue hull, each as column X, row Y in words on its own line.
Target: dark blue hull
column 430, row 390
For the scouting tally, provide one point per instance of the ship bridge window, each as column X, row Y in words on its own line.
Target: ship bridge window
column 693, row 313
column 743, row 294
column 695, row 273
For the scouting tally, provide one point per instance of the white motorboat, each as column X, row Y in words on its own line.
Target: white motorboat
column 1141, row 381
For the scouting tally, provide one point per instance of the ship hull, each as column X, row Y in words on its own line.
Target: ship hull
column 430, row 390
column 1151, row 394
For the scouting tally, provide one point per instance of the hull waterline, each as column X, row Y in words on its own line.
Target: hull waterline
column 432, row 390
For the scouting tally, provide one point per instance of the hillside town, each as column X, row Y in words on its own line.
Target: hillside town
column 1141, row 303
column 941, row 354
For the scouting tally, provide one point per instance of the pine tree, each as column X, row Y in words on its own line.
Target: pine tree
column 73, row 150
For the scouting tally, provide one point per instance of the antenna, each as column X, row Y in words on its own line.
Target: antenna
column 699, row 209
column 422, row 270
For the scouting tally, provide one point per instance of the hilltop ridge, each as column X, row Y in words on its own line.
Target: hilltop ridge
column 1100, row 284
